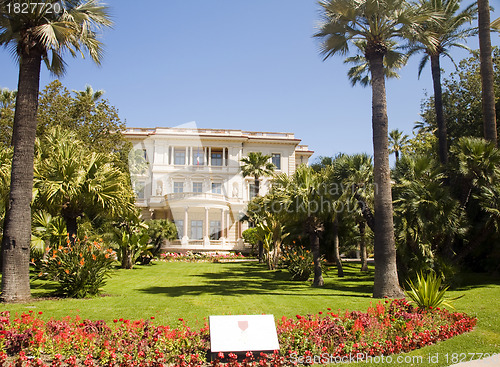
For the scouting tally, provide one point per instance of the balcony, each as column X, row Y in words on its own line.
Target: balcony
column 200, row 197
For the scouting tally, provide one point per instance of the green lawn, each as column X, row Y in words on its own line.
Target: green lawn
column 169, row 291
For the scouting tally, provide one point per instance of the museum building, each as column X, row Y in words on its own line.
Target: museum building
column 192, row 176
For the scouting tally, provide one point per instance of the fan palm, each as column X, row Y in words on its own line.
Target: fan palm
column 449, row 31
column 378, row 23
column 428, row 217
column 70, row 182
column 304, row 202
column 354, row 173
column 487, row 74
column 39, row 34
column 397, row 141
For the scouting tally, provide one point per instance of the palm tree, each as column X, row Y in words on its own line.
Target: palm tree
column 355, row 175
column 71, row 182
column 304, row 202
column 487, row 74
column 256, row 165
column 397, row 141
column 360, row 72
column 7, row 98
column 85, row 100
column 378, row 23
column 449, row 31
column 32, row 36
column 428, row 217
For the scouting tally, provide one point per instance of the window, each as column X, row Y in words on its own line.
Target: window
column 251, row 191
column 276, row 160
column 216, row 158
column 215, row 232
column 145, row 154
column 178, row 187
column 180, row 228
column 179, row 157
column 197, row 229
column 140, row 187
column 216, row 188
column 198, row 187
column 198, row 157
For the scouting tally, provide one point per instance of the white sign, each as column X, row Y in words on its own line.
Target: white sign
column 243, row 333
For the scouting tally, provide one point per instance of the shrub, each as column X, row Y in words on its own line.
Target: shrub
column 298, row 261
column 427, row 291
column 80, row 269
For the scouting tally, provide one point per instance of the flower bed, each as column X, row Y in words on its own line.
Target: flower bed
column 389, row 328
column 201, row 256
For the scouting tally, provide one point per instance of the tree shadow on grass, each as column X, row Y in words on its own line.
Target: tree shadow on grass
column 244, row 279
column 468, row 281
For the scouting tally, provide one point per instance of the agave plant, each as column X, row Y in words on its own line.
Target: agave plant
column 427, row 292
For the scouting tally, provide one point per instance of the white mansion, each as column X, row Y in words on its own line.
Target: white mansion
column 193, row 178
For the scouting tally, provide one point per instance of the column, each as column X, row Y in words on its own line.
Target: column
column 185, row 238
column 223, row 157
column 167, row 161
column 186, row 160
column 206, row 238
column 172, row 156
column 222, row 227
column 209, row 156
column 228, row 216
column 191, row 156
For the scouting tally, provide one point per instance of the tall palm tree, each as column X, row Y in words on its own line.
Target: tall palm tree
column 378, row 23
column 256, row 165
column 397, row 141
column 449, row 31
column 32, row 36
column 487, row 75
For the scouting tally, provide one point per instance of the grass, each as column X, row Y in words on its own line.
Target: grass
column 193, row 291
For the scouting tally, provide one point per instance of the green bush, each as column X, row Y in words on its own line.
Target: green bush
column 80, row 269
column 298, row 261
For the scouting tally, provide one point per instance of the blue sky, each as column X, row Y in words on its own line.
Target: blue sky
column 237, row 64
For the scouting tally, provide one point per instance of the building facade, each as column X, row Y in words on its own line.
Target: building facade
column 192, row 177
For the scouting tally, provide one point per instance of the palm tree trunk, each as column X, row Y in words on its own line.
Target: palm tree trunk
column 336, row 252
column 256, row 187
column 386, row 276
column 126, row 258
column 17, row 228
column 362, row 246
column 487, row 75
column 71, row 228
column 365, row 211
column 318, row 276
column 438, row 107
